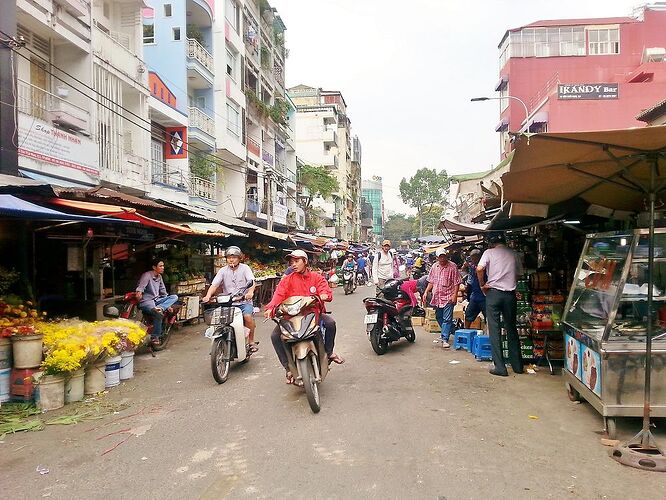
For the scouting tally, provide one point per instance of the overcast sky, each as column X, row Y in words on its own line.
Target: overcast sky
column 407, row 70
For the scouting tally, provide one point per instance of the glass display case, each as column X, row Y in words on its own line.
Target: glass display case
column 605, row 324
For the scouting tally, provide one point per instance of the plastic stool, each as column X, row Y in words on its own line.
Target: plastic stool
column 464, row 339
column 482, row 350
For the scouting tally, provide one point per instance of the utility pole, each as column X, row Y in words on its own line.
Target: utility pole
column 269, row 203
column 8, row 125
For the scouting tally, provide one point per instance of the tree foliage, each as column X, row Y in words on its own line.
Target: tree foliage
column 423, row 190
column 400, row 227
column 319, row 181
column 430, row 220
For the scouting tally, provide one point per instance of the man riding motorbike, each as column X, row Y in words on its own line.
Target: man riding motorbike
column 153, row 297
column 350, row 265
column 233, row 277
column 302, row 282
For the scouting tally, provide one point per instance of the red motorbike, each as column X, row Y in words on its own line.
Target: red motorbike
column 129, row 309
column 389, row 316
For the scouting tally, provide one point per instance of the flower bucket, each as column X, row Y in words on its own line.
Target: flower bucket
column 50, row 392
column 112, row 371
column 5, row 353
column 74, row 385
column 94, row 379
column 5, row 377
column 27, row 350
column 127, row 365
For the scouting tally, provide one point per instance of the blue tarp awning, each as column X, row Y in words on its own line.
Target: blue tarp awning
column 16, row 207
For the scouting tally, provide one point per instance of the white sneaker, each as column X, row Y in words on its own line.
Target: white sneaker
column 445, row 345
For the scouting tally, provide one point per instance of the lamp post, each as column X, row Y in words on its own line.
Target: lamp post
column 527, row 113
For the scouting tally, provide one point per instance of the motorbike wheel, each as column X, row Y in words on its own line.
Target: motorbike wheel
column 164, row 339
column 306, row 371
column 378, row 345
column 220, row 359
column 411, row 337
column 346, row 289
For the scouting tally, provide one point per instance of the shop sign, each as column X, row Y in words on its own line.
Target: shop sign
column 280, row 213
column 588, row 91
column 45, row 143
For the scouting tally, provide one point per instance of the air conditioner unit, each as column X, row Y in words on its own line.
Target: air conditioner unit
column 654, row 54
column 67, row 115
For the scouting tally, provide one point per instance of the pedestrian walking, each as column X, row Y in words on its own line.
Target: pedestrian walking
column 502, row 268
column 385, row 265
column 444, row 282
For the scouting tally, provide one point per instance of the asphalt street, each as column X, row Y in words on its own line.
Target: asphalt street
column 409, row 424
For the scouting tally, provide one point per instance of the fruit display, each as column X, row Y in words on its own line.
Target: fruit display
column 17, row 317
column 269, row 269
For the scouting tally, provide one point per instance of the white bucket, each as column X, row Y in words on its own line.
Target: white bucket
column 5, row 353
column 127, row 365
column 74, row 386
column 5, row 377
column 50, row 392
column 27, row 350
column 95, row 378
column 112, row 371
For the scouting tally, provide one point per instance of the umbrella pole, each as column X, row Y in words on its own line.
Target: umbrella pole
column 642, row 451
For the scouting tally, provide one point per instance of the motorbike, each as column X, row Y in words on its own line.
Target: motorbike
column 299, row 320
column 226, row 332
column 129, row 309
column 361, row 278
column 348, row 282
column 389, row 317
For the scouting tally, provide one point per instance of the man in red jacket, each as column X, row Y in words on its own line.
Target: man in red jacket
column 302, row 282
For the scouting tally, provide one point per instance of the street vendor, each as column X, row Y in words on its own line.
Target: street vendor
column 153, row 297
column 233, row 278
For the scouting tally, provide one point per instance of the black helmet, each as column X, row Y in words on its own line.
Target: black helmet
column 391, row 289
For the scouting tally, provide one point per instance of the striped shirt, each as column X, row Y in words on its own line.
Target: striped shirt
column 445, row 281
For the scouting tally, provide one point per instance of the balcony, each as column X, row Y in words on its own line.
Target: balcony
column 201, row 126
column 41, row 104
column 267, row 157
column 202, row 188
column 77, row 8
column 330, row 160
column 161, row 174
column 253, row 147
column 330, row 137
column 252, row 205
column 200, row 66
column 115, row 49
column 280, row 166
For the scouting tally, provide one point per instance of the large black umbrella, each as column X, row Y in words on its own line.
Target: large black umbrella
column 622, row 170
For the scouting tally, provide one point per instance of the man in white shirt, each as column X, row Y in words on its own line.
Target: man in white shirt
column 502, row 268
column 384, row 265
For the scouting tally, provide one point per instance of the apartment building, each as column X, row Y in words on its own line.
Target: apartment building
column 374, row 195
column 81, row 92
column 323, row 137
column 581, row 74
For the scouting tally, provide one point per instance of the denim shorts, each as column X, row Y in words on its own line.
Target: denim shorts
column 246, row 309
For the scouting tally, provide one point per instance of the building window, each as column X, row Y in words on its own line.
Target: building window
column 232, row 14
column 231, row 64
column 176, row 34
column 545, row 42
column 233, row 119
column 603, row 41
column 504, row 103
column 148, row 33
column 167, row 10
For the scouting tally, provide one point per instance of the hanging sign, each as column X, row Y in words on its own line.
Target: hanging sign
column 588, row 91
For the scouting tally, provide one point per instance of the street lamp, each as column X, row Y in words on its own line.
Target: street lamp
column 527, row 113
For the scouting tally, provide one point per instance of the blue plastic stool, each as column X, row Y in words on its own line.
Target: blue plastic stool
column 464, row 339
column 482, row 350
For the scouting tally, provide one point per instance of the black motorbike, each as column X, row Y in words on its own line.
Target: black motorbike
column 361, row 278
column 389, row 316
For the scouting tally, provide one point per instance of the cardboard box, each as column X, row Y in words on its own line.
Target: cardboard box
column 478, row 324
column 430, row 313
column 459, row 312
column 431, row 325
column 417, row 320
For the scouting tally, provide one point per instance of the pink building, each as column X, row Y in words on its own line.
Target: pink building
column 582, row 74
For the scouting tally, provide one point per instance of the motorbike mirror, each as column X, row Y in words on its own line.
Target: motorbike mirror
column 111, row 311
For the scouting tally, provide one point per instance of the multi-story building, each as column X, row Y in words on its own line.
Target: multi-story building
column 581, row 74
column 373, row 194
column 81, row 93
column 323, row 137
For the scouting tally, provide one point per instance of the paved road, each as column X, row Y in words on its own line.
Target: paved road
column 408, row 424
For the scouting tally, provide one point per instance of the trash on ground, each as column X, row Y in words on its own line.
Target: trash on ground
column 42, row 470
column 454, row 362
column 609, row 442
column 533, row 417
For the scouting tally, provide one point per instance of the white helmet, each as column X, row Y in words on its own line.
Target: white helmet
column 297, row 254
column 233, row 250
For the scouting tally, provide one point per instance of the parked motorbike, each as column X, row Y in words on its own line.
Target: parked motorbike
column 129, row 309
column 299, row 321
column 348, row 282
column 226, row 332
column 389, row 317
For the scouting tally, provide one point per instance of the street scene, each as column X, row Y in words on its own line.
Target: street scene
column 332, row 249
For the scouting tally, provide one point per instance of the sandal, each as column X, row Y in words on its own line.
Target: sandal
column 290, row 378
column 252, row 348
column 335, row 358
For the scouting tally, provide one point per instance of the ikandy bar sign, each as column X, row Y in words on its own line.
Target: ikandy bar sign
column 587, row 91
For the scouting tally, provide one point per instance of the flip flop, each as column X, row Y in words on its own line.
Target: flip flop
column 335, row 359
column 252, row 348
column 290, row 378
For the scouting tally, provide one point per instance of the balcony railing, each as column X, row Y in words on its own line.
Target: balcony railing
column 198, row 52
column 280, row 166
column 253, row 146
column 267, row 157
column 78, row 8
column 162, row 174
column 41, row 104
column 115, row 49
column 200, row 120
column 203, row 188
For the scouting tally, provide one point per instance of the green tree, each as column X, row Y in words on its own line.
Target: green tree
column 430, row 220
column 423, row 190
column 400, row 227
column 320, row 184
